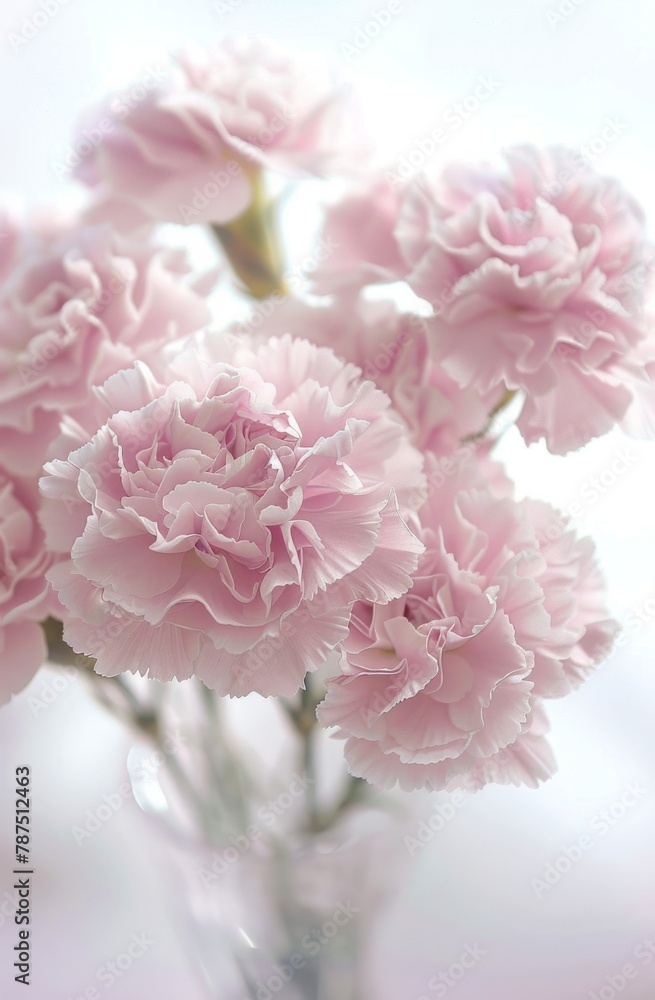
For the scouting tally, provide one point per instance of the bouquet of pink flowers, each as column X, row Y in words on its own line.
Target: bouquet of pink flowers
column 240, row 502
column 298, row 496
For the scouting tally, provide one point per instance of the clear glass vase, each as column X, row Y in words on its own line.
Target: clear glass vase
column 271, row 900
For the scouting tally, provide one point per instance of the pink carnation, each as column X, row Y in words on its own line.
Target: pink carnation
column 393, row 349
column 25, row 597
column 77, row 310
column 224, row 524
column 534, row 276
column 186, row 152
column 444, row 685
column 359, row 229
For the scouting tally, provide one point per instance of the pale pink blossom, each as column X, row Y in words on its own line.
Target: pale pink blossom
column 444, row 685
column 531, row 272
column 186, row 151
column 224, row 523
column 25, row 597
column 359, row 229
column 77, row 309
column 392, row 347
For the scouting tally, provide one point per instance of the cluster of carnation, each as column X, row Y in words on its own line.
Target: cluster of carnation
column 246, row 506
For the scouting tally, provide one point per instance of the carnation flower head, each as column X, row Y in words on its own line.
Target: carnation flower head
column 392, row 347
column 187, row 151
column 532, row 273
column 445, row 685
column 223, row 523
column 359, row 229
column 79, row 308
column 25, row 597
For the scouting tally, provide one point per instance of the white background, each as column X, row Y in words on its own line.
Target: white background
column 559, row 81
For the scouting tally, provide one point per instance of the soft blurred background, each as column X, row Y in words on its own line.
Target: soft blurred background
column 560, row 71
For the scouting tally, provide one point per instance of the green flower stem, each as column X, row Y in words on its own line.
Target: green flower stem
column 504, row 401
column 251, row 243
